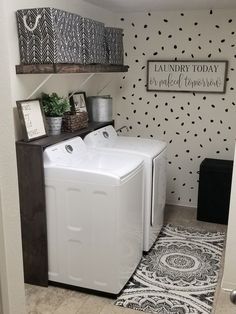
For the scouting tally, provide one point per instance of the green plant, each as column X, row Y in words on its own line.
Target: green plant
column 54, row 105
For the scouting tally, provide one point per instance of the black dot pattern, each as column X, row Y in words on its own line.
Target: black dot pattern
column 195, row 126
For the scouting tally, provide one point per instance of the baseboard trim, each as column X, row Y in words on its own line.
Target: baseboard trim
column 227, row 285
column 179, row 205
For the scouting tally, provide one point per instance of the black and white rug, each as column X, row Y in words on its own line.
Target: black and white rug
column 179, row 274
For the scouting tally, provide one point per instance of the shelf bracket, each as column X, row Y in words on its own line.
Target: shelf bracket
column 108, row 83
column 48, row 78
column 81, row 85
column 40, row 85
column 77, row 90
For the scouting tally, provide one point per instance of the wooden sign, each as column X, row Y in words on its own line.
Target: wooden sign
column 186, row 76
column 32, row 119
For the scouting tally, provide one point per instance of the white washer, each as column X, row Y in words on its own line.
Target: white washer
column 153, row 153
column 94, row 215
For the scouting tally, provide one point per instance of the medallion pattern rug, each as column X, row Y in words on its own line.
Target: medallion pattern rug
column 178, row 275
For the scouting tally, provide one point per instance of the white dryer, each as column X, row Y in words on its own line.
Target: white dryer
column 94, row 215
column 153, row 153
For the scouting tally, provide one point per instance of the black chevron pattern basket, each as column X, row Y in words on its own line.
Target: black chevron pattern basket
column 93, row 41
column 114, row 45
column 48, row 35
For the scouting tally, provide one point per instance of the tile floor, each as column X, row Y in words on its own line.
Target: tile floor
column 60, row 301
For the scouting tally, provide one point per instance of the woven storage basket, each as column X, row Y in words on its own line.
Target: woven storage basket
column 48, row 35
column 114, row 45
column 74, row 122
column 93, row 41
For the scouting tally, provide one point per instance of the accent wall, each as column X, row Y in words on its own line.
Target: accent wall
column 195, row 125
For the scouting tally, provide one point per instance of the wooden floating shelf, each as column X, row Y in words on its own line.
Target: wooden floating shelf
column 61, row 68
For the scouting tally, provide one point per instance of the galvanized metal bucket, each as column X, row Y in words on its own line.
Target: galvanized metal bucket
column 99, row 108
column 54, row 125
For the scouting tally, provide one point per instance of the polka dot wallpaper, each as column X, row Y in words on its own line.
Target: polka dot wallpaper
column 194, row 125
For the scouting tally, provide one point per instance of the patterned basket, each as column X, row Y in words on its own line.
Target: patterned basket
column 74, row 122
column 114, row 45
column 93, row 41
column 48, row 35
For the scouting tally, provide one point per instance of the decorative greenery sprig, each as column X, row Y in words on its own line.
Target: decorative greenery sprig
column 54, row 105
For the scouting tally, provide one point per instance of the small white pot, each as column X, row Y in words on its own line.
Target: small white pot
column 54, row 125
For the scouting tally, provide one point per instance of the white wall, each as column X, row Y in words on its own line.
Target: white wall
column 11, row 271
column 194, row 126
column 229, row 277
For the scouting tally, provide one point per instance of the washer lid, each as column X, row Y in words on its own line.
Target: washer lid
column 75, row 155
column 65, row 152
column 107, row 138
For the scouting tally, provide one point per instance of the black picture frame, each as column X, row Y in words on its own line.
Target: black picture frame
column 78, row 102
column 167, row 80
column 32, row 119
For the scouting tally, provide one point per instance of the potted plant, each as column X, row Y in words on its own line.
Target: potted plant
column 54, row 107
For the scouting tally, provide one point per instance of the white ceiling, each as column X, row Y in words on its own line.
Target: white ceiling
column 161, row 5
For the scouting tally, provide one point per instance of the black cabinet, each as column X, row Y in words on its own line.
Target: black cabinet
column 214, row 190
column 32, row 202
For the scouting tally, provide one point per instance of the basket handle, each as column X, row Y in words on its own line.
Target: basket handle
column 31, row 29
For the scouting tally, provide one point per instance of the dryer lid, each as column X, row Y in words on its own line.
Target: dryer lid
column 107, row 137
